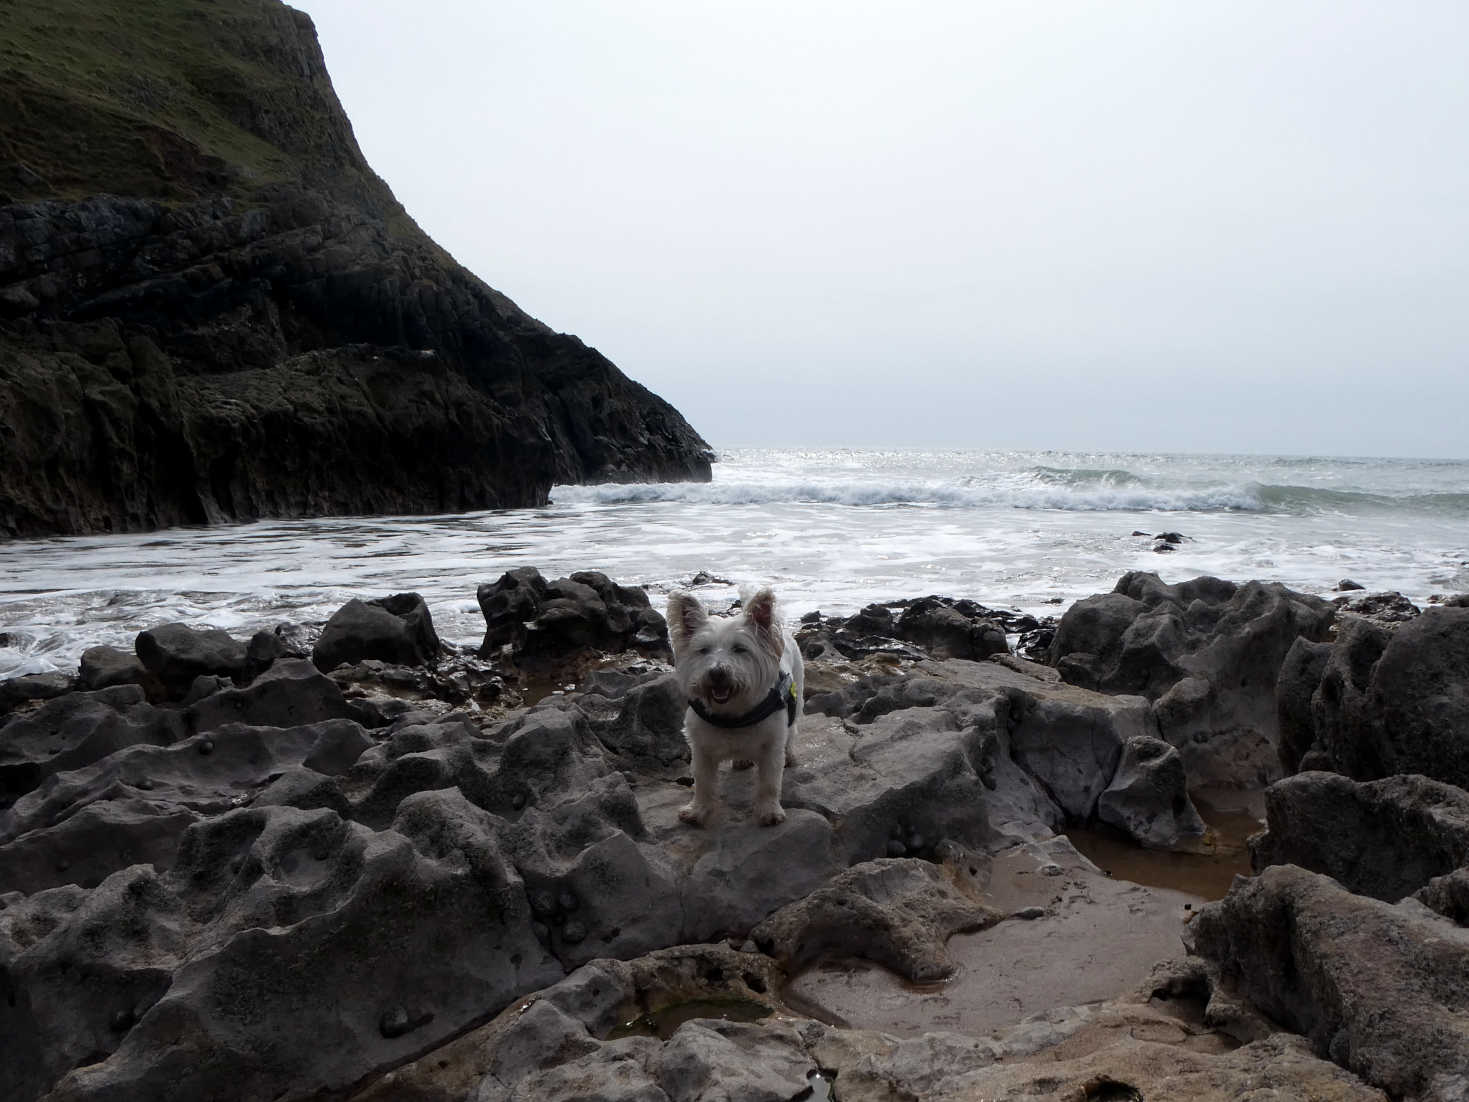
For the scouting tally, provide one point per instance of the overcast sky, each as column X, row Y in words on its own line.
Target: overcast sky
column 1193, row 226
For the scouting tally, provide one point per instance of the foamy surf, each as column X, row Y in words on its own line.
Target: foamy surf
column 832, row 530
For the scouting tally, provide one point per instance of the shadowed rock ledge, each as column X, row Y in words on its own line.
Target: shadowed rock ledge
column 211, row 308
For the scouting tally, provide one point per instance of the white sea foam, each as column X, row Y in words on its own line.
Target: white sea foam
column 831, row 530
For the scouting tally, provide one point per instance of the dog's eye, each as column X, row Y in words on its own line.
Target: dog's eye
column 740, row 648
column 705, row 650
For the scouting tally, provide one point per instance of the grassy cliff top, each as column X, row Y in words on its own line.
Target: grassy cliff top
column 171, row 99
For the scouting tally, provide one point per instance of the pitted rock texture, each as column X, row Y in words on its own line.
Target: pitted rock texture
column 1207, row 653
column 205, row 876
column 1397, row 700
column 212, row 309
column 1381, row 989
column 1386, row 838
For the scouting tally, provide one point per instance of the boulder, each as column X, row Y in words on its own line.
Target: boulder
column 103, row 667
column 1378, row 988
column 396, row 629
column 1386, row 838
column 549, row 622
column 1397, row 701
column 1070, row 740
column 951, row 629
column 1206, row 652
column 176, row 654
column 1148, row 797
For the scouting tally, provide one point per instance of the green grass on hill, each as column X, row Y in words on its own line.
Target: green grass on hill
column 167, row 99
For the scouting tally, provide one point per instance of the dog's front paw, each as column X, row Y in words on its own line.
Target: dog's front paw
column 693, row 814
column 770, row 816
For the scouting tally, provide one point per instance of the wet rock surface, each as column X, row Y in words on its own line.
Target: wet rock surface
column 440, row 881
column 1206, row 653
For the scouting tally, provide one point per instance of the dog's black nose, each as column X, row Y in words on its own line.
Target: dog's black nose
column 719, row 676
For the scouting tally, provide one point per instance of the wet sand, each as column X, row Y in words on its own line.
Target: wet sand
column 1092, row 938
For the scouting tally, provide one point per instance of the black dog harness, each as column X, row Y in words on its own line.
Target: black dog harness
column 783, row 695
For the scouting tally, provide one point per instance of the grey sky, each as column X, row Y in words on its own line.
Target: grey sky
column 1227, row 226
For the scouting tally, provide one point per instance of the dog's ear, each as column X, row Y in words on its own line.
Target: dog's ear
column 760, row 615
column 685, row 617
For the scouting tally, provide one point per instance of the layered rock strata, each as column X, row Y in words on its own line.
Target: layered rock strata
column 212, row 309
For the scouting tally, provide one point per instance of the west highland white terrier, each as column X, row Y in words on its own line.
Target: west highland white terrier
column 743, row 679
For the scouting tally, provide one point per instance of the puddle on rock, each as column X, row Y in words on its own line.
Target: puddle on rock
column 1231, row 817
column 662, row 1023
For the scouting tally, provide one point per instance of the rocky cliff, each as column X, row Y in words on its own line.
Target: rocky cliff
column 212, row 309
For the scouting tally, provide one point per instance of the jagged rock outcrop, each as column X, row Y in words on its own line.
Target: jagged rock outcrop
column 187, row 883
column 1386, row 838
column 549, row 622
column 1206, row 652
column 1397, row 700
column 212, row 309
column 1377, row 988
column 397, row 629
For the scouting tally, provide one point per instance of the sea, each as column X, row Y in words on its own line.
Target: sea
column 831, row 530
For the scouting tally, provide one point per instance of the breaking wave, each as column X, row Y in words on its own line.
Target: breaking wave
column 1042, row 488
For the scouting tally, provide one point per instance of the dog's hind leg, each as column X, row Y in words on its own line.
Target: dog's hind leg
column 791, row 758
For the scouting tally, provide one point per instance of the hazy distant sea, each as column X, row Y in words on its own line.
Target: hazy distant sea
column 831, row 529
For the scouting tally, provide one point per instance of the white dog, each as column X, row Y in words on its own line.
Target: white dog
column 743, row 678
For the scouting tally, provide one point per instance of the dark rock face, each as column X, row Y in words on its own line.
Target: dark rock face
column 176, row 654
column 1148, row 797
column 396, row 629
column 548, row 622
column 1206, row 652
column 1386, row 838
column 1397, row 701
column 75, row 730
column 1300, row 676
column 1378, row 989
column 951, row 629
column 230, row 316
column 104, row 667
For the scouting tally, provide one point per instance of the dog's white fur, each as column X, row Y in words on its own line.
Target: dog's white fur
column 729, row 665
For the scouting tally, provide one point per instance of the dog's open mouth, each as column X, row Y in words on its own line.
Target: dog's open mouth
column 721, row 694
